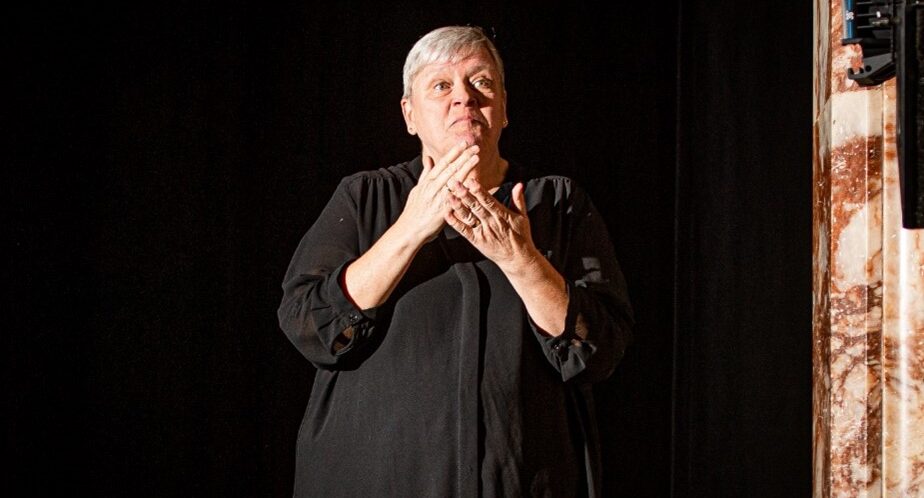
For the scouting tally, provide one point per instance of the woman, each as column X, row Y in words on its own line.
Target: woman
column 457, row 308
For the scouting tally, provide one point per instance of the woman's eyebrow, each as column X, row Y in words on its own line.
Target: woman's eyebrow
column 479, row 68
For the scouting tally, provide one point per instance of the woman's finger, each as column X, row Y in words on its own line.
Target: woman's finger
column 457, row 224
column 484, row 199
column 464, row 161
column 461, row 212
column 466, row 199
column 466, row 168
column 441, row 164
column 519, row 198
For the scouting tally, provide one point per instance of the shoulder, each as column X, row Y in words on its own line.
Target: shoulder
column 555, row 188
column 553, row 193
column 398, row 178
column 554, row 182
column 398, row 173
column 537, row 180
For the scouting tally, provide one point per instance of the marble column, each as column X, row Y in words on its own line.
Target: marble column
column 868, row 287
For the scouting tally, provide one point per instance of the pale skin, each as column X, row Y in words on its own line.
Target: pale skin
column 458, row 111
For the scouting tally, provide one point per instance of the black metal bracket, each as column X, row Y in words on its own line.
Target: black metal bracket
column 870, row 24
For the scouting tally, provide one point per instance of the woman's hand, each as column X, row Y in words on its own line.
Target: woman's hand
column 370, row 279
column 501, row 234
column 428, row 203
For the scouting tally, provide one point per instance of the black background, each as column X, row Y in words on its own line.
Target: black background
column 167, row 158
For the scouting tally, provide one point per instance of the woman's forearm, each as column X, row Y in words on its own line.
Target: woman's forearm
column 370, row 279
column 543, row 292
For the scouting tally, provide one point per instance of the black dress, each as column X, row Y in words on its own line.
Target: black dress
column 448, row 389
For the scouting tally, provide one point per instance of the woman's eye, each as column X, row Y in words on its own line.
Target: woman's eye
column 482, row 83
column 441, row 86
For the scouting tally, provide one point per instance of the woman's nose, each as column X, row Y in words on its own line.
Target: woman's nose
column 464, row 94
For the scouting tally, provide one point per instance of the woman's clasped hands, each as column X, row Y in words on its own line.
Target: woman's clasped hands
column 444, row 194
column 428, row 203
column 502, row 234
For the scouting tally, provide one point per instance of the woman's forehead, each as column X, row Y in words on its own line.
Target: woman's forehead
column 474, row 60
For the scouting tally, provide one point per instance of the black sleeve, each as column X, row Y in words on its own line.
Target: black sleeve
column 315, row 313
column 599, row 319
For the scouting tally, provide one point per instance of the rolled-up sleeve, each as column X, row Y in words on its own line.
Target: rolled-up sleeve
column 598, row 323
column 316, row 314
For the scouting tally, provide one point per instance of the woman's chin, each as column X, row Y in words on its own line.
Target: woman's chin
column 469, row 138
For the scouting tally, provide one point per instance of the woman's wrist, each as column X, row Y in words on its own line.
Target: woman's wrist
column 408, row 233
column 524, row 264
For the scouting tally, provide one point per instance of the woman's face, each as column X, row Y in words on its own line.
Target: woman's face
column 450, row 103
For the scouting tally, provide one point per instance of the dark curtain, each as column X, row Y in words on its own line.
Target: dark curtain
column 742, row 376
column 167, row 158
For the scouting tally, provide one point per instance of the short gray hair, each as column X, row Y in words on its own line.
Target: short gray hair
column 447, row 44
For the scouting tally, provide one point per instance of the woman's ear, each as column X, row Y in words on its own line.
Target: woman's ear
column 407, row 110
